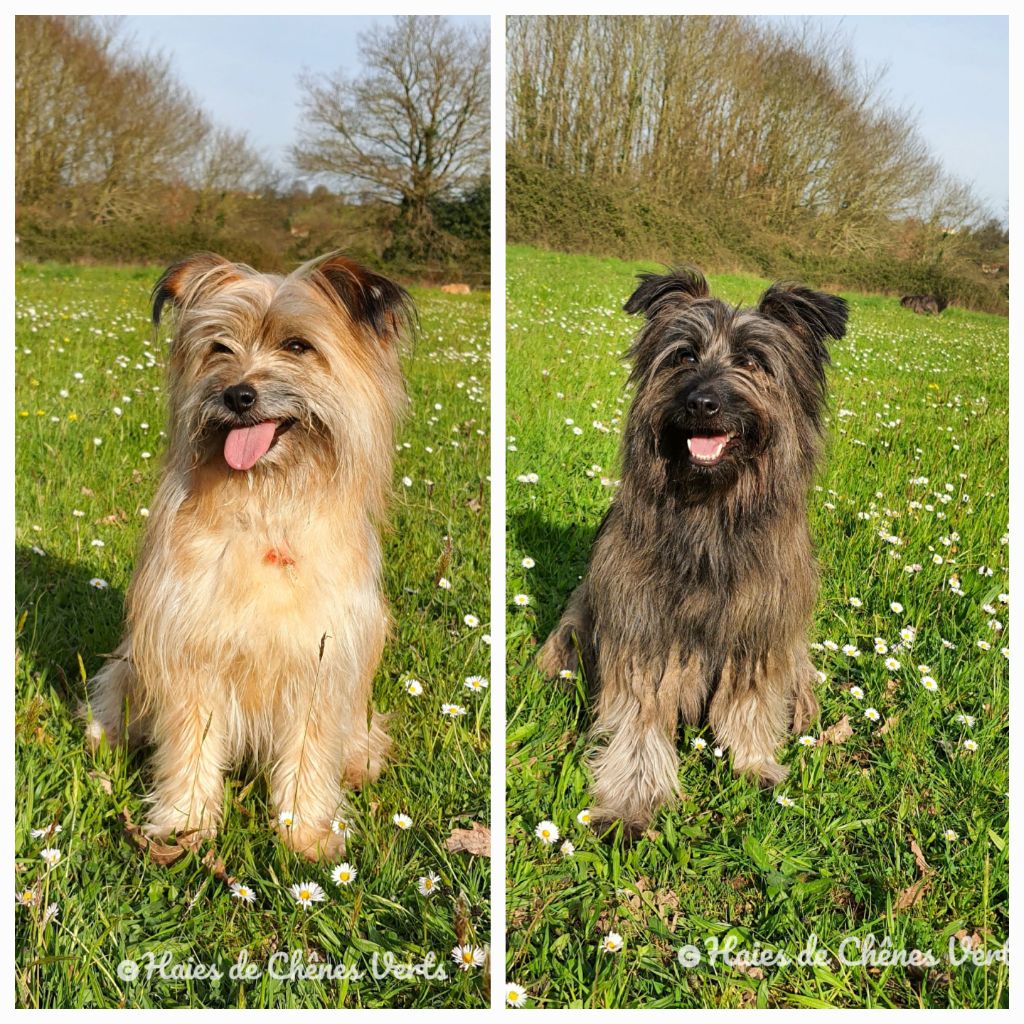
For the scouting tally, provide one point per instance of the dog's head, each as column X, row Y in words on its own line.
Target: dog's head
column 721, row 390
column 269, row 372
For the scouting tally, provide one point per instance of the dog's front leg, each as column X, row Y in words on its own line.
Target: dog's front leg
column 189, row 765
column 635, row 766
column 751, row 712
column 305, row 780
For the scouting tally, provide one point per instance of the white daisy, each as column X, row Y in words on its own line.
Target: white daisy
column 547, row 832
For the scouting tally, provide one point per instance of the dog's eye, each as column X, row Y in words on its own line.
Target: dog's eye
column 217, row 347
column 684, row 357
column 749, row 362
column 296, row 346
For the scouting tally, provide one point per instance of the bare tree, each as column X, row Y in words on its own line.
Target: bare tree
column 412, row 127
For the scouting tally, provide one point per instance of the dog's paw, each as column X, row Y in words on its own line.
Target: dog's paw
column 557, row 655
column 805, row 710
column 314, row 843
column 186, row 832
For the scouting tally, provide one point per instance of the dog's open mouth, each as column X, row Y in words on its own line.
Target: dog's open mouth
column 708, row 449
column 245, row 446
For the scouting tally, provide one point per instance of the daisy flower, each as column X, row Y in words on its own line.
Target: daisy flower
column 950, row 836
column 567, row 849
column 565, row 673
column 892, row 664
column 856, row 693
column 452, row 710
column 413, row 687
column 339, row 826
column 515, row 995
column 468, row 957
column 856, row 602
column 286, row 819
column 611, row 943
column 476, row 683
column 896, row 607
column 307, row 893
column 51, row 856
column 970, row 746
column 240, row 891
column 402, row 821
column 699, row 743
column 984, row 645
column 428, row 884
column 528, row 563
column 444, row 584
column 471, row 620
column 50, row 830
column 881, row 647
column 522, row 600
column 344, row 874
column 967, row 720
column 785, row 801
column 807, row 741
column 851, row 650
column 929, row 684
column 871, row 714
column 546, row 832
column 584, row 816
column 26, row 897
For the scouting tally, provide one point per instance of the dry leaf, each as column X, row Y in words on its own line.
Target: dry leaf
column 838, row 733
column 475, row 841
column 913, row 894
column 160, row 853
column 890, row 723
column 104, row 782
column 215, row 865
column 922, row 864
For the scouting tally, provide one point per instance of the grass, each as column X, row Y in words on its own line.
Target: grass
column 90, row 421
column 912, row 398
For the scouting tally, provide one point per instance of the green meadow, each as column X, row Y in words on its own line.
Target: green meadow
column 891, row 832
column 90, row 422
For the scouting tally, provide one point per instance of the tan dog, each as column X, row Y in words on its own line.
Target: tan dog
column 255, row 616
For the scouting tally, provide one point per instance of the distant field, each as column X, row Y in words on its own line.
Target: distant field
column 90, row 420
column 900, row 831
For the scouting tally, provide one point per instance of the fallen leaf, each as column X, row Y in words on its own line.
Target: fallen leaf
column 890, row 723
column 159, row 853
column 838, row 733
column 475, row 841
column 215, row 865
column 104, row 782
column 922, row 865
column 913, row 894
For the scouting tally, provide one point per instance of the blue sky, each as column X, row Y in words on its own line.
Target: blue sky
column 951, row 71
column 244, row 70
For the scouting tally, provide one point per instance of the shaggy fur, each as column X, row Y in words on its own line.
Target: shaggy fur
column 702, row 580
column 255, row 618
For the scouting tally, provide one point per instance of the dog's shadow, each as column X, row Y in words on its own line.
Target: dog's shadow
column 64, row 616
column 560, row 553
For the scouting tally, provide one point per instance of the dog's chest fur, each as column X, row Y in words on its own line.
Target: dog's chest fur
column 260, row 578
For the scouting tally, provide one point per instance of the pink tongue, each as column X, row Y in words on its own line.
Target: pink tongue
column 707, row 447
column 245, row 446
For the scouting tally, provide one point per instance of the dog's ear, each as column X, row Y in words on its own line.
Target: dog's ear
column 680, row 286
column 190, row 279
column 370, row 298
column 813, row 316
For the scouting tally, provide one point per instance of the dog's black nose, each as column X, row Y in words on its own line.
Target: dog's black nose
column 700, row 403
column 239, row 398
